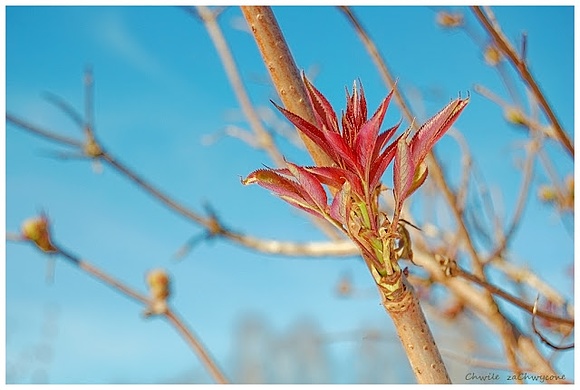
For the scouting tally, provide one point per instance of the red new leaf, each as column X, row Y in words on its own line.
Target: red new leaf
column 366, row 139
column 310, row 184
column 426, row 137
column 360, row 154
column 323, row 111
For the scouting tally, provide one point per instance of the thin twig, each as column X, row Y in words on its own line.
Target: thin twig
column 341, row 248
column 553, row 175
column 466, row 164
column 522, row 68
column 510, row 298
column 121, row 287
column 542, row 337
column 51, row 136
column 435, row 168
column 153, row 191
column 522, row 118
column 196, row 345
column 283, row 71
column 215, row 227
column 528, row 173
column 480, row 303
column 524, row 275
column 65, row 107
column 263, row 137
column 379, row 62
column 102, row 276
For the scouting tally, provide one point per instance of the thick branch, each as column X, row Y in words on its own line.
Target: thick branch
column 416, row 338
column 283, row 70
column 264, row 138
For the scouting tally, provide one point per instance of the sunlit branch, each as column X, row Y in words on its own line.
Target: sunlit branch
column 215, row 228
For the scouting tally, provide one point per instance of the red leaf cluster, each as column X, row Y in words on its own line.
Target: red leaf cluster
column 360, row 154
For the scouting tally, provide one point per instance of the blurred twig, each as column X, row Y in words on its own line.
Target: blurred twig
column 49, row 135
column 542, row 337
column 528, row 173
column 263, row 137
column 434, row 165
column 487, row 312
column 212, row 224
column 455, row 270
column 121, row 287
column 493, row 29
column 283, row 71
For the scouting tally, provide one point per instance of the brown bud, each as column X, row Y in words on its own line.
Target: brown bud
column 514, row 115
column 492, row 55
column 92, row 149
column 158, row 281
column 344, row 287
column 449, row 19
column 36, row 230
column 547, row 193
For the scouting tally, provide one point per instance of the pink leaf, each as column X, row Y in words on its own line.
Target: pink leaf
column 335, row 177
column 366, row 138
column 340, row 207
column 286, row 189
column 275, row 182
column 341, row 148
column 383, row 138
column 310, row 184
column 311, row 131
column 426, row 137
column 356, row 114
column 403, row 171
column 323, row 111
column 382, row 162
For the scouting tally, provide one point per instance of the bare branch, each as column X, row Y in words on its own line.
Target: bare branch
column 171, row 316
column 263, row 137
column 196, row 345
column 543, row 338
column 456, row 270
column 283, row 71
column 520, row 65
column 51, row 136
column 528, row 173
column 65, row 107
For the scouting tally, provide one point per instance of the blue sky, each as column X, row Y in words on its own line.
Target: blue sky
column 160, row 92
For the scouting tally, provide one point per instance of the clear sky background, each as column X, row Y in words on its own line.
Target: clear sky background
column 160, row 94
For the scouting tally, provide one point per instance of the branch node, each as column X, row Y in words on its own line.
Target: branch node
column 448, row 266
